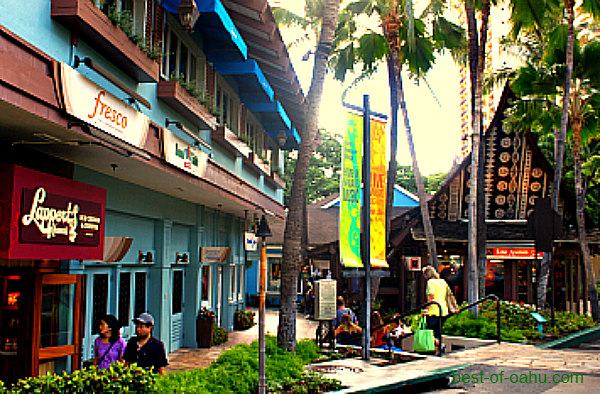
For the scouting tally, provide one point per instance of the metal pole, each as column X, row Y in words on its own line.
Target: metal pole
column 366, row 232
column 261, row 317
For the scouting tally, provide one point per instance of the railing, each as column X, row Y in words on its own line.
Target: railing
column 479, row 301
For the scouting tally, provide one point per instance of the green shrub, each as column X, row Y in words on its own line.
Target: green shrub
column 220, row 335
column 243, row 320
column 236, row 370
column 117, row 379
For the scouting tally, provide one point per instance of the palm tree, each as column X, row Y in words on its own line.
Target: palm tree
column 286, row 332
column 404, row 42
column 540, row 88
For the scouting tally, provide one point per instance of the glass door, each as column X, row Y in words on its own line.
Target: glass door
column 60, row 324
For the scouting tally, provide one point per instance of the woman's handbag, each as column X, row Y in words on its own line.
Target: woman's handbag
column 451, row 301
column 424, row 341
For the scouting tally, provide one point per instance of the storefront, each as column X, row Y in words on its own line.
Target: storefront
column 46, row 220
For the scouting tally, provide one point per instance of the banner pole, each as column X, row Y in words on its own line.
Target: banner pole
column 366, row 228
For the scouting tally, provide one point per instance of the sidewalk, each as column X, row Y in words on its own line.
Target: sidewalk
column 190, row 358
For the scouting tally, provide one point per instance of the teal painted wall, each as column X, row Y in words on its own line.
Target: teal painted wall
column 165, row 225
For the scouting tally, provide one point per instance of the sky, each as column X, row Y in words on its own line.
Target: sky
column 433, row 111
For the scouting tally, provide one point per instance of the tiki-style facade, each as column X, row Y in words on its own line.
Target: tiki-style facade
column 516, row 175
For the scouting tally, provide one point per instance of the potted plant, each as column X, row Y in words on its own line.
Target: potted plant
column 205, row 325
column 242, row 320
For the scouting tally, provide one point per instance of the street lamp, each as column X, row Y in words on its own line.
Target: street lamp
column 263, row 232
column 188, row 13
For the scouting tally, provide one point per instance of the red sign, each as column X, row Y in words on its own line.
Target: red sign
column 513, row 253
column 45, row 217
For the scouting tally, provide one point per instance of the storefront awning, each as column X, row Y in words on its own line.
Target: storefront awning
column 115, row 248
column 254, row 87
column 221, row 39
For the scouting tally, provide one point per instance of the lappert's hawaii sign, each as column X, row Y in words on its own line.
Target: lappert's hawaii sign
column 94, row 105
column 184, row 156
column 56, row 219
column 45, row 217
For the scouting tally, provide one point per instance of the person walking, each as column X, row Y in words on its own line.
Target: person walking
column 144, row 349
column 109, row 347
column 436, row 290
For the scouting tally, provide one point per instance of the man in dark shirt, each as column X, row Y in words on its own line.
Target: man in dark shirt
column 144, row 349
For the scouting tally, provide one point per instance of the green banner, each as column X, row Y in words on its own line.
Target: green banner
column 350, row 198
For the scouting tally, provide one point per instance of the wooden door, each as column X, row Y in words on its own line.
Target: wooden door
column 58, row 324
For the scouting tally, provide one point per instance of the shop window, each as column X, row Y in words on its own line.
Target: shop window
column 182, row 62
column 255, row 134
column 136, row 10
column 124, row 297
column 177, row 292
column 12, row 290
column 274, row 274
column 139, row 294
column 205, row 294
column 56, row 321
column 99, row 300
column 232, row 282
column 228, row 106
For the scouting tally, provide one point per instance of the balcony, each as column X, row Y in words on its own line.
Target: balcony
column 83, row 18
column 172, row 93
column 228, row 140
column 277, row 180
column 257, row 163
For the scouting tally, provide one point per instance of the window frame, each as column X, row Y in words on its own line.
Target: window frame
column 232, row 105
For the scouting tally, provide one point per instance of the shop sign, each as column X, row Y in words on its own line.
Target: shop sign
column 513, row 253
column 250, row 242
column 214, row 254
column 55, row 219
column 412, row 263
column 46, row 217
column 184, row 156
column 92, row 104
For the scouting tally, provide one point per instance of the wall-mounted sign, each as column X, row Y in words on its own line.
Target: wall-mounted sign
column 513, row 253
column 412, row 263
column 184, row 156
column 54, row 219
column 92, row 104
column 45, row 217
column 214, row 254
column 250, row 242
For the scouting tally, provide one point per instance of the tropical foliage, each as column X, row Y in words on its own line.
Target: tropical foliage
column 235, row 371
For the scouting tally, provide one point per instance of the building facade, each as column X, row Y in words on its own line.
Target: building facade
column 138, row 138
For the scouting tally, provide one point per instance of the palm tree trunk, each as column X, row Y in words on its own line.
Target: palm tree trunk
column 580, row 213
column 391, row 33
column 393, row 167
column 559, row 149
column 481, row 201
column 286, row 331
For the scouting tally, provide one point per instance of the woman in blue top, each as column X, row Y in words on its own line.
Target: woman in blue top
column 109, row 346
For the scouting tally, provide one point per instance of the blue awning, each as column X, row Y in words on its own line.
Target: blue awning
column 221, row 39
column 253, row 86
column 274, row 117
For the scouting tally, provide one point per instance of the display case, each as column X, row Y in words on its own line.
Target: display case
column 11, row 289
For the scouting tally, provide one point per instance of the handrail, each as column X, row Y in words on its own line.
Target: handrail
column 479, row 301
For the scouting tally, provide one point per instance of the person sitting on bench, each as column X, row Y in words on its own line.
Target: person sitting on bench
column 348, row 333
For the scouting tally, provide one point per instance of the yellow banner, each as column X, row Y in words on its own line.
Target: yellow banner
column 350, row 196
column 378, row 194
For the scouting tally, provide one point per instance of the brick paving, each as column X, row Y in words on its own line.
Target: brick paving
column 190, row 358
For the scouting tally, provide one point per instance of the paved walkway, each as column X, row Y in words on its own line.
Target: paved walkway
column 190, row 358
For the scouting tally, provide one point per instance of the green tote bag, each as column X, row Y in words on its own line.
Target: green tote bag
column 424, row 340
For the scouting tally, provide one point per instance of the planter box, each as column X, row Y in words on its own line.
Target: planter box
column 179, row 99
column 228, row 140
column 255, row 162
column 92, row 25
column 204, row 332
column 277, row 180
